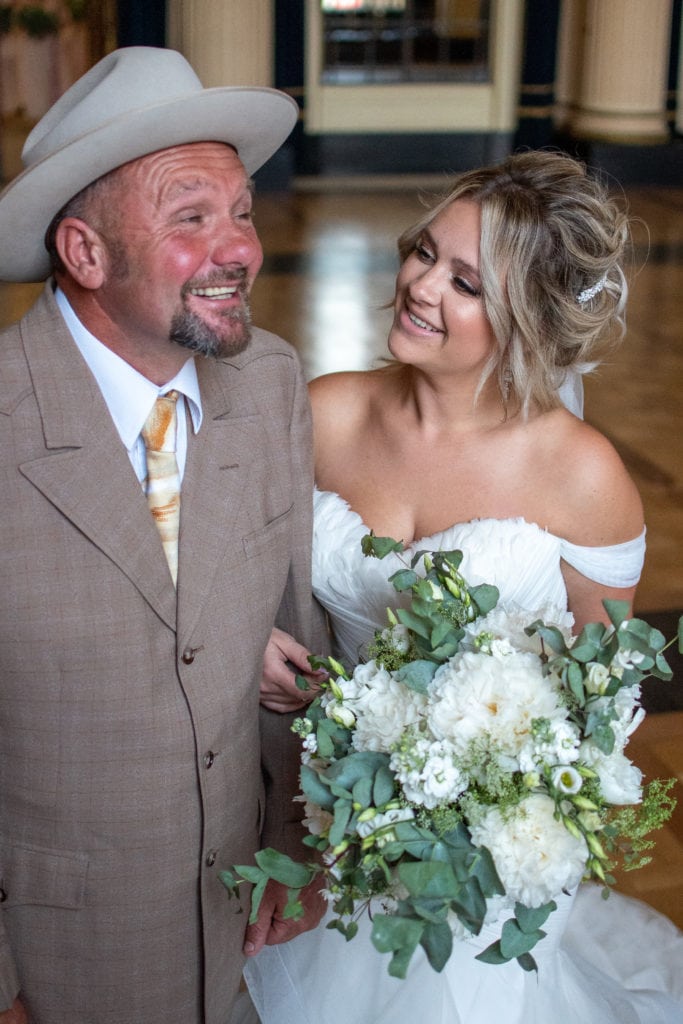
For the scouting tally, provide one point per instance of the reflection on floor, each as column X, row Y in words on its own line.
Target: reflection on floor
column 329, row 269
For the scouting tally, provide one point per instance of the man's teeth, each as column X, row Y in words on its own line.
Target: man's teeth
column 421, row 323
column 223, row 292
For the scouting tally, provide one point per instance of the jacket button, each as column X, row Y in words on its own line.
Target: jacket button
column 209, row 758
column 210, row 858
column 188, row 655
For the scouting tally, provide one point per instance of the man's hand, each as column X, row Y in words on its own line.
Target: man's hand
column 15, row 1015
column 283, row 659
column 271, row 928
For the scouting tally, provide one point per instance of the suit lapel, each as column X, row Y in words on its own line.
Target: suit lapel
column 215, row 493
column 86, row 472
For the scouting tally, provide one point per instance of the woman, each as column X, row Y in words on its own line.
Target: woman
column 507, row 288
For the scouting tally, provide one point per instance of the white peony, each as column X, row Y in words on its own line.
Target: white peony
column 490, row 699
column 384, row 708
column 508, row 622
column 535, row 856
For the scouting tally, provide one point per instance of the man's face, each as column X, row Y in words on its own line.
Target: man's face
column 182, row 252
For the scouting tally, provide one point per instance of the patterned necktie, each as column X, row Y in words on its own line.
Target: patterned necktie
column 162, row 484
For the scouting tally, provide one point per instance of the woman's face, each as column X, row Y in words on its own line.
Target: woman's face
column 439, row 321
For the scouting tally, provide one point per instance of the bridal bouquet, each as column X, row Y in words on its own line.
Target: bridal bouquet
column 471, row 770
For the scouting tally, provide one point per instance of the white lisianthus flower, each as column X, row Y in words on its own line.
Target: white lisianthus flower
column 384, row 708
column 427, row 773
column 624, row 659
column 341, row 714
column 566, row 779
column 385, row 819
column 535, row 856
column 490, row 699
column 597, row 678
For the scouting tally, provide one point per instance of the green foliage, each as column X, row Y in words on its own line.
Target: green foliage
column 37, row 22
column 423, row 861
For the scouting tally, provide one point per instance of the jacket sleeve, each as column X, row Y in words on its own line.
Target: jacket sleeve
column 302, row 617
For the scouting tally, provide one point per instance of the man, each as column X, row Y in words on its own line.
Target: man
column 130, row 655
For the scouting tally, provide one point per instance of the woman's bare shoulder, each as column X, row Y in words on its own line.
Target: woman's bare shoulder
column 593, row 489
column 355, row 390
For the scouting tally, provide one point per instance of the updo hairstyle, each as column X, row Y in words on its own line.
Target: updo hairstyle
column 552, row 243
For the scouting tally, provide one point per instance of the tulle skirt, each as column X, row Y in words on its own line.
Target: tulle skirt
column 601, row 962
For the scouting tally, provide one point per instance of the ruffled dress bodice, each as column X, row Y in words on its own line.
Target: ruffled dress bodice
column 521, row 559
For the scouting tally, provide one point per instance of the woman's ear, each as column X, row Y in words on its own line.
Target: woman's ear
column 82, row 252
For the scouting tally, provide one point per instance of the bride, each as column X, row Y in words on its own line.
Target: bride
column 507, row 289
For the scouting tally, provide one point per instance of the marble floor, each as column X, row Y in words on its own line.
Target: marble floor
column 328, row 270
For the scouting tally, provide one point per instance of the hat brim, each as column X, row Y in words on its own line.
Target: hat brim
column 254, row 121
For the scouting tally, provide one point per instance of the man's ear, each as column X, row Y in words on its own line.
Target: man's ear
column 82, row 251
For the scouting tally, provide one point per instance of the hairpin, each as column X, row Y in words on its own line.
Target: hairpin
column 589, row 293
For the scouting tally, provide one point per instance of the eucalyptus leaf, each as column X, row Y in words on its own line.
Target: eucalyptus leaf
column 514, row 942
column 492, row 955
column 485, row 596
column 530, row 919
column 315, row 789
column 417, row 675
column 362, row 792
column 429, row 879
column 412, row 621
column 324, row 740
column 617, row 611
column 383, row 788
column 379, row 547
column 283, row 869
column 397, row 935
column 404, row 579
column 342, row 813
column 437, row 942
column 348, row 770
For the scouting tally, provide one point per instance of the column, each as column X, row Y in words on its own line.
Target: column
column 227, row 42
column 615, row 69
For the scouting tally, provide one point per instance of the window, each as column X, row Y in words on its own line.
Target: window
column 405, row 41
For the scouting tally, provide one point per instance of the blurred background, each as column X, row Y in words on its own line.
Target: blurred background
column 395, row 96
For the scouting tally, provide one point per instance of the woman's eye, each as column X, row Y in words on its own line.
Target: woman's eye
column 465, row 286
column 423, row 253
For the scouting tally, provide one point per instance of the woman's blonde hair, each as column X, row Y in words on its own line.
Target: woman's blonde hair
column 553, row 288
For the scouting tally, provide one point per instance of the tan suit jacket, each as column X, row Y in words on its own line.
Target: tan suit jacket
column 129, row 724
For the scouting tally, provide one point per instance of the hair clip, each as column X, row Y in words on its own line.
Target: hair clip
column 589, row 293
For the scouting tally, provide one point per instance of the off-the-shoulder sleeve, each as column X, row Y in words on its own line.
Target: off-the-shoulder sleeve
column 618, row 565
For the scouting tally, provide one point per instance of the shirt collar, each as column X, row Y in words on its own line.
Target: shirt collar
column 129, row 396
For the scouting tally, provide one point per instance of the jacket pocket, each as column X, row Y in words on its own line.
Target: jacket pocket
column 265, row 539
column 38, row 876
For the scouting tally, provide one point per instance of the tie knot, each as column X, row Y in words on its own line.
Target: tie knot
column 159, row 430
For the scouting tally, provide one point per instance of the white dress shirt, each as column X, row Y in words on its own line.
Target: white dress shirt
column 130, row 396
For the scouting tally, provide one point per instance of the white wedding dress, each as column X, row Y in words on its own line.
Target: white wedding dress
column 601, row 962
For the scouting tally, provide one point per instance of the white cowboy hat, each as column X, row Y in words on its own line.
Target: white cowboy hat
column 135, row 101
